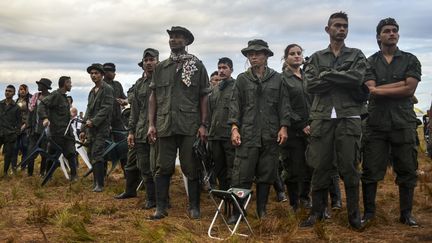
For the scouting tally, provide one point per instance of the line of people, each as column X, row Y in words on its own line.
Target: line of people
column 339, row 113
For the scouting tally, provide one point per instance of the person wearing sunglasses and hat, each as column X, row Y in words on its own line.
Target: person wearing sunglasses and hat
column 36, row 126
column 97, row 122
column 138, row 165
column 335, row 77
column 392, row 79
column 177, row 116
column 259, row 118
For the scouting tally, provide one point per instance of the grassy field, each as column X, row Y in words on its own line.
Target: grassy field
column 64, row 212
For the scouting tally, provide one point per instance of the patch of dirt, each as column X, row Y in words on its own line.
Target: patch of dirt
column 63, row 212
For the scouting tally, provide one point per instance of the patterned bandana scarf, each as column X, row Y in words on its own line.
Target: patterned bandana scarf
column 187, row 63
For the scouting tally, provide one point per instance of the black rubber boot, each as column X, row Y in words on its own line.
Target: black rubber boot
column 73, row 168
column 305, row 200
column 150, row 201
column 406, row 195
column 99, row 176
column 263, row 191
column 335, row 193
column 293, row 192
column 352, row 199
column 279, row 187
column 369, row 195
column 162, row 190
column 318, row 208
column 132, row 181
column 194, row 193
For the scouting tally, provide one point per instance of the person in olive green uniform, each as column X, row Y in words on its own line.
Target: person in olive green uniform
column 222, row 150
column 97, row 121
column 297, row 172
column 259, row 116
column 335, row 77
column 138, row 126
column 120, row 99
column 177, row 115
column 36, row 127
column 391, row 125
column 10, row 125
column 54, row 110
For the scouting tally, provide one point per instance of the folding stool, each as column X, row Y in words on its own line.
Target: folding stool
column 233, row 197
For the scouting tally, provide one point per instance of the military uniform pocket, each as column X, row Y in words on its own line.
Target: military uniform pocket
column 352, row 126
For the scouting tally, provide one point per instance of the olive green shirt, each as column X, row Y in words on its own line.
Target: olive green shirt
column 219, row 102
column 116, row 112
column 56, row 108
column 299, row 100
column 10, row 119
column 259, row 107
column 335, row 83
column 388, row 113
column 138, row 120
column 99, row 108
column 178, row 106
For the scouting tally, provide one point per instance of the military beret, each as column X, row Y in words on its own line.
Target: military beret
column 184, row 31
column 257, row 45
column 96, row 66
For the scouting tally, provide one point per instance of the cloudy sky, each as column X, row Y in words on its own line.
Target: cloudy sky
column 48, row 38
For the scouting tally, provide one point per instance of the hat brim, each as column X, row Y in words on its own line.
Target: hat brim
column 245, row 51
column 93, row 67
column 140, row 64
column 188, row 35
column 39, row 82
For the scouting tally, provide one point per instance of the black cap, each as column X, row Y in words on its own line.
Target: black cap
column 46, row 82
column 96, row 66
column 149, row 51
column 109, row 66
column 184, row 31
column 384, row 22
column 257, row 45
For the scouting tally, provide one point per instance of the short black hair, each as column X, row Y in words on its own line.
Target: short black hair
column 227, row 61
column 62, row 81
column 337, row 15
column 214, row 74
column 10, row 86
column 70, row 97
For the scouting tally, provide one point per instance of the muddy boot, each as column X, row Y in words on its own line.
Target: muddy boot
column 280, row 190
column 335, row 193
column 161, row 187
column 352, row 199
column 99, row 174
column 263, row 191
column 150, row 201
column 369, row 194
column 194, row 199
column 305, row 200
column 318, row 208
column 406, row 195
column 132, row 180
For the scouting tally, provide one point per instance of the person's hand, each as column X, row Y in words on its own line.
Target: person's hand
column 152, row 134
column 282, row 135
column 202, row 133
column 235, row 137
column 131, row 140
column 89, row 123
column 306, row 130
column 45, row 122
column 122, row 102
column 23, row 127
column 82, row 136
